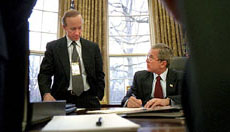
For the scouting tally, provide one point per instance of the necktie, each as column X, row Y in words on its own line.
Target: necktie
column 77, row 81
column 158, row 89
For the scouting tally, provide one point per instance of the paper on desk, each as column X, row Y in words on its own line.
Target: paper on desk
column 120, row 110
column 75, row 123
column 125, row 110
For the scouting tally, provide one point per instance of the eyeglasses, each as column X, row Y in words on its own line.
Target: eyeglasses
column 151, row 58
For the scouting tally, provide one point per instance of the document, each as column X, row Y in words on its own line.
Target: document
column 125, row 110
column 119, row 110
column 75, row 123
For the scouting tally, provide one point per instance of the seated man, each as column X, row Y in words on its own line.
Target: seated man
column 159, row 85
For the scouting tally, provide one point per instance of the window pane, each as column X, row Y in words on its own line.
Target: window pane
column 46, row 37
column 39, row 5
column 34, row 66
column 35, row 40
column 51, row 5
column 132, row 25
column 125, row 67
column 35, row 21
column 128, row 7
column 122, row 70
column 49, row 23
column 117, row 91
column 129, row 44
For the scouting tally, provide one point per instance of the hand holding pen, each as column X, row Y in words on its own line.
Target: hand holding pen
column 133, row 102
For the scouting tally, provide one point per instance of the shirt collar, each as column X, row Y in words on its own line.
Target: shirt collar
column 163, row 75
column 69, row 41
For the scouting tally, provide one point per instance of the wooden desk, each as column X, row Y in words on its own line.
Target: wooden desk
column 148, row 124
column 160, row 124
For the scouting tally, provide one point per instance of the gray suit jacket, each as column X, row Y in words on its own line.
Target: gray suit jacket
column 56, row 63
column 142, row 86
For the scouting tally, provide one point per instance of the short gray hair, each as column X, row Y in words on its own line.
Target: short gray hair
column 70, row 13
column 165, row 53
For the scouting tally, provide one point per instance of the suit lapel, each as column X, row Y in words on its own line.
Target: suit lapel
column 147, row 84
column 85, row 54
column 83, row 49
column 64, row 56
column 170, row 82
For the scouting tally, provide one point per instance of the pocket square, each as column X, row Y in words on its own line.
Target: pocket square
column 171, row 85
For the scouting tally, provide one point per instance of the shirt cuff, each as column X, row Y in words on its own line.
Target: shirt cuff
column 126, row 102
column 172, row 103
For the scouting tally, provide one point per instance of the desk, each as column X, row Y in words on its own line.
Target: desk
column 160, row 125
column 148, row 124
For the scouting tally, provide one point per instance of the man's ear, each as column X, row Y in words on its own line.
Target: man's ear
column 164, row 63
column 64, row 27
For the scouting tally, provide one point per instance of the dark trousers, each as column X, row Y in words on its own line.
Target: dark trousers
column 85, row 100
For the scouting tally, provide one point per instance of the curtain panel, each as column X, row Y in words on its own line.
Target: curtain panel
column 164, row 29
column 94, row 13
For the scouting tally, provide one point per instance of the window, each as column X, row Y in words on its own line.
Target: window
column 43, row 28
column 129, row 42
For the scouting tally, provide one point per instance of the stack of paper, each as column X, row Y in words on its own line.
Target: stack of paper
column 122, row 110
column 125, row 110
column 110, row 122
column 159, row 111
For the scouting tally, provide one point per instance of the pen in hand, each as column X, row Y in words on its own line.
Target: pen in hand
column 133, row 95
column 137, row 99
column 99, row 122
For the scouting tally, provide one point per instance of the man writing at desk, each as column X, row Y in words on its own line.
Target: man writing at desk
column 75, row 65
column 159, row 85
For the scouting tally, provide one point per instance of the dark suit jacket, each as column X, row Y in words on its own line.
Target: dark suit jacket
column 56, row 63
column 142, row 86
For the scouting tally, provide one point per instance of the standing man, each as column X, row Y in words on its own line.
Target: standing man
column 75, row 65
column 159, row 85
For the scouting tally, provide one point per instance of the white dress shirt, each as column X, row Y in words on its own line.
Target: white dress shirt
column 84, row 75
column 162, row 81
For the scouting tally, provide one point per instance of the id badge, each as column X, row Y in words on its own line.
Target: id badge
column 75, row 68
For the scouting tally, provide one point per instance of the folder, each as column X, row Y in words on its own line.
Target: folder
column 166, row 113
column 125, row 110
column 70, row 108
column 159, row 111
column 44, row 111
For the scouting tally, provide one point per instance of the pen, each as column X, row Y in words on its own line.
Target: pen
column 133, row 95
column 136, row 97
column 99, row 122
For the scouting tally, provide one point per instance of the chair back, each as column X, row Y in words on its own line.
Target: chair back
column 178, row 63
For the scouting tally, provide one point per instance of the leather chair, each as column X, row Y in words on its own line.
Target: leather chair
column 178, row 63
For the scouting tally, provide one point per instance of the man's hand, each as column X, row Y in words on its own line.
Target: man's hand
column 134, row 103
column 157, row 102
column 48, row 97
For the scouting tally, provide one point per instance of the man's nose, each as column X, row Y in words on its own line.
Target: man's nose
column 77, row 32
